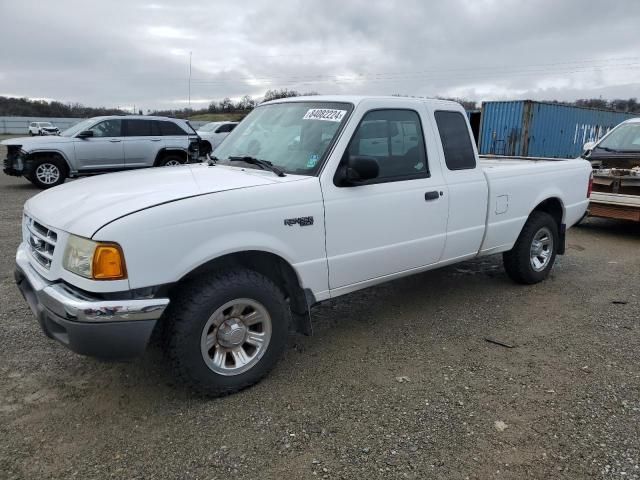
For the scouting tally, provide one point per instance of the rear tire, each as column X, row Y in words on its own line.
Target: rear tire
column 48, row 173
column 226, row 332
column 171, row 160
column 534, row 253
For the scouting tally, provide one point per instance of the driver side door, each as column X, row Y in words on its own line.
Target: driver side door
column 104, row 150
column 393, row 223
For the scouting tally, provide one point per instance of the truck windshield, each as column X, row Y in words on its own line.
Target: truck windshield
column 293, row 136
column 625, row 138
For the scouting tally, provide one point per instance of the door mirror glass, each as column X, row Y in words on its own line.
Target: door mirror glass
column 85, row 134
column 360, row 169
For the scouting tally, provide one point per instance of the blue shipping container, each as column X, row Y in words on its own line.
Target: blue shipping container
column 537, row 129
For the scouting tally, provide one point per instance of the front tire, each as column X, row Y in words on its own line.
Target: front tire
column 226, row 332
column 47, row 173
column 534, row 253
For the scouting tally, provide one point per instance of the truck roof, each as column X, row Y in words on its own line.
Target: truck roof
column 356, row 99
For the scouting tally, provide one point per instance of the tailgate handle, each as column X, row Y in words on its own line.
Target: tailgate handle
column 431, row 195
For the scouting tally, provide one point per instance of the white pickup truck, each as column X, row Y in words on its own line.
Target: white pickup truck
column 311, row 198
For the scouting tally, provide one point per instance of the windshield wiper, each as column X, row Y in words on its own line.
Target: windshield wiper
column 612, row 150
column 264, row 164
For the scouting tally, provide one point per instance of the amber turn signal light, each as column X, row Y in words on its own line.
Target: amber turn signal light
column 108, row 263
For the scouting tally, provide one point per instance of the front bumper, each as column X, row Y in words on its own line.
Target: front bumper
column 109, row 329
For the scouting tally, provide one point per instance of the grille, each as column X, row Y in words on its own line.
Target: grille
column 42, row 242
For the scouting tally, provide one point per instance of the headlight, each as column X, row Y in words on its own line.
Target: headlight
column 95, row 260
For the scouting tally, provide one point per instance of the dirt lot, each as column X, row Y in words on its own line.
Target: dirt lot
column 398, row 382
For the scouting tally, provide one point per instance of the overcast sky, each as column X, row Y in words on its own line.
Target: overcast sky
column 121, row 53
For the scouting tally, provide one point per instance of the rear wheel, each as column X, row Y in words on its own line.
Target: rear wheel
column 47, row 173
column 534, row 253
column 171, row 160
column 226, row 332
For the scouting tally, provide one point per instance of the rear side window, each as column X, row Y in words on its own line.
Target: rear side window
column 138, row 128
column 456, row 142
column 170, row 128
column 224, row 128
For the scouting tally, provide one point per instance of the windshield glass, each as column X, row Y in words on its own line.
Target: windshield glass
column 45, row 124
column 294, row 136
column 625, row 138
column 78, row 127
column 209, row 127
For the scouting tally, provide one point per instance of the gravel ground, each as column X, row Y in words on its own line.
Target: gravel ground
column 397, row 382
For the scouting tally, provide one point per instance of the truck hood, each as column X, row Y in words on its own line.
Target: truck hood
column 28, row 143
column 83, row 206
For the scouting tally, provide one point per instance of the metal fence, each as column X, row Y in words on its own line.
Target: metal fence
column 20, row 125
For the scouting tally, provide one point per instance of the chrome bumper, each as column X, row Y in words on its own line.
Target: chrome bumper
column 73, row 305
column 86, row 325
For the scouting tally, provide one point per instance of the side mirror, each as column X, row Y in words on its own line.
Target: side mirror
column 359, row 169
column 85, row 134
column 587, row 147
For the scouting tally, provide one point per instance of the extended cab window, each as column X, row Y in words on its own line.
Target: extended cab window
column 170, row 128
column 108, row 128
column 394, row 139
column 456, row 142
column 138, row 128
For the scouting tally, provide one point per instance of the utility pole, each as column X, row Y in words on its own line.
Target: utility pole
column 190, row 54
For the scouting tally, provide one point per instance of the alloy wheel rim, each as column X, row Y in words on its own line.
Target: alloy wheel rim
column 541, row 249
column 172, row 163
column 236, row 336
column 48, row 173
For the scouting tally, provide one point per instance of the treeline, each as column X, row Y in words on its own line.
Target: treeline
column 23, row 107
column 226, row 105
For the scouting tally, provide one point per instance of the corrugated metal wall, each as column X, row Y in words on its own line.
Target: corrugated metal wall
column 537, row 129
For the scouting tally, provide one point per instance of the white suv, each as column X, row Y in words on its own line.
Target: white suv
column 212, row 135
column 102, row 144
column 43, row 128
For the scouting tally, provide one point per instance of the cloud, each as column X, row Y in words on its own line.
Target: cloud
column 115, row 53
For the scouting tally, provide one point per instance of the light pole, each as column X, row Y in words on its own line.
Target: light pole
column 190, row 54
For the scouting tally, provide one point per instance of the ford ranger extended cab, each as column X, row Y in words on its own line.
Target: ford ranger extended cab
column 616, row 172
column 308, row 199
column 102, row 144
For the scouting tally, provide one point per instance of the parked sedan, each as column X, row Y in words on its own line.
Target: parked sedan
column 212, row 134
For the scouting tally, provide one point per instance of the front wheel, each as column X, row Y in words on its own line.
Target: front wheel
column 534, row 253
column 47, row 174
column 226, row 332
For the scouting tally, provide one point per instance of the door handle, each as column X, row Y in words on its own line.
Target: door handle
column 431, row 195
column 114, row 140
column 155, row 139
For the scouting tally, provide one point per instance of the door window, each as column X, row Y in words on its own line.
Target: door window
column 394, row 139
column 456, row 141
column 108, row 128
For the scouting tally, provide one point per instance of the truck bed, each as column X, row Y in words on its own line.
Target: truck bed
column 517, row 185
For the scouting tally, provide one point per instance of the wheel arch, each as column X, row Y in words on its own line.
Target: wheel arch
column 272, row 266
column 163, row 152
column 49, row 154
column 554, row 207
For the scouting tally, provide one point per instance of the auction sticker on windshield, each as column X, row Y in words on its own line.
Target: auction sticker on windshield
column 326, row 114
